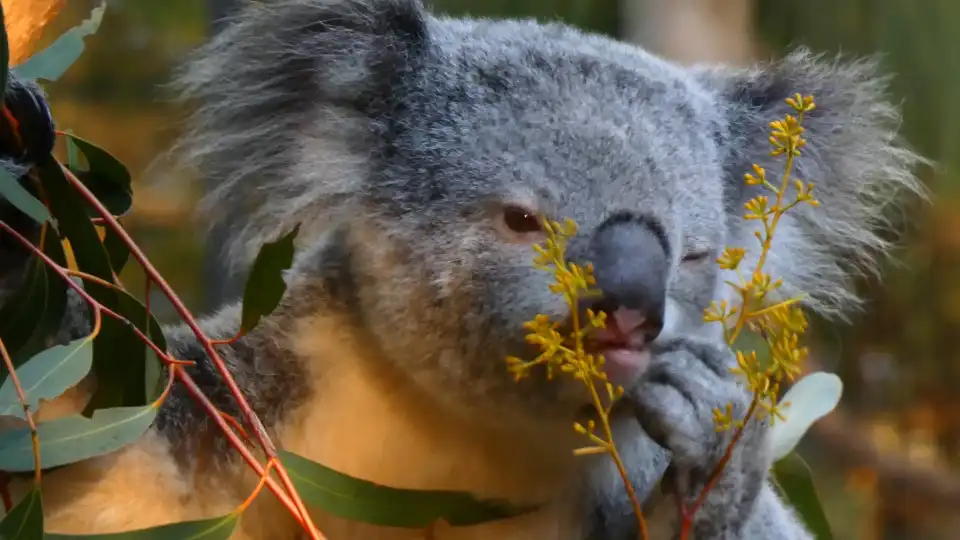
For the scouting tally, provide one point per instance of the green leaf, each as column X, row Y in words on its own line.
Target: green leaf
column 105, row 175
column 810, row 399
column 120, row 379
column 154, row 384
column 265, row 285
column 47, row 376
column 75, row 438
column 67, row 206
column 793, row 478
column 50, row 63
column 73, row 153
column 35, row 311
column 23, row 200
column 360, row 500
column 117, row 251
column 116, row 344
column 25, row 520
column 220, row 528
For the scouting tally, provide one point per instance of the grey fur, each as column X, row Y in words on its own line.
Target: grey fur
column 396, row 137
column 860, row 165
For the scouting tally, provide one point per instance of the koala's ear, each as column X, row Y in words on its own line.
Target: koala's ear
column 854, row 156
column 279, row 51
column 283, row 74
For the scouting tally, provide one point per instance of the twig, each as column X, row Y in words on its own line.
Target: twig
column 256, row 492
column 184, row 377
column 688, row 513
column 98, row 308
column 154, row 276
column 34, row 436
column 230, row 341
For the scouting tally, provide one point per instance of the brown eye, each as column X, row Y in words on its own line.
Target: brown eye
column 520, row 220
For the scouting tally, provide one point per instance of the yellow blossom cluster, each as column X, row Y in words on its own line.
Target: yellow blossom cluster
column 565, row 350
column 780, row 325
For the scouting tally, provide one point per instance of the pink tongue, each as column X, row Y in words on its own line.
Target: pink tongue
column 625, row 365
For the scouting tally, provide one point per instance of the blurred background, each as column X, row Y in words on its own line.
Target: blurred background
column 887, row 463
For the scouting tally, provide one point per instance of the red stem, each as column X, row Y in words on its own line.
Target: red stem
column 154, row 276
column 22, row 397
column 294, row 505
column 688, row 514
column 185, row 378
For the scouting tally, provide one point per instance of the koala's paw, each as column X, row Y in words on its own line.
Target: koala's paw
column 674, row 402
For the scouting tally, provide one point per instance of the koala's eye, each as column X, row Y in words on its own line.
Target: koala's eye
column 695, row 256
column 521, row 220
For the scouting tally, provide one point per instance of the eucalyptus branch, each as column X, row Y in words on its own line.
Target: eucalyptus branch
column 154, row 276
column 779, row 324
column 22, row 397
column 188, row 382
column 567, row 352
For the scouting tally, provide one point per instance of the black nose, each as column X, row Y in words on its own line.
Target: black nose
column 630, row 264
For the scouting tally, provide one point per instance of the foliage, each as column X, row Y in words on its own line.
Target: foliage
column 350, row 498
column 567, row 352
column 78, row 212
column 50, row 63
column 265, row 285
column 780, row 325
column 783, row 323
column 83, row 247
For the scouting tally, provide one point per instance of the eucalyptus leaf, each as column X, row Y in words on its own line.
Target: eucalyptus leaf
column 794, row 479
column 810, row 399
column 67, row 206
column 50, row 63
column 265, row 285
column 220, row 528
column 360, row 500
column 35, row 311
column 75, row 438
column 121, row 379
column 73, row 153
column 23, row 200
column 25, row 520
column 104, row 175
column 117, row 251
column 154, row 384
column 47, row 376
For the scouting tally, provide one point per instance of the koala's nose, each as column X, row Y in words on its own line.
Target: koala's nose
column 630, row 264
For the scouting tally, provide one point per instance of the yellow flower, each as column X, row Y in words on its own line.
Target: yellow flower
column 781, row 324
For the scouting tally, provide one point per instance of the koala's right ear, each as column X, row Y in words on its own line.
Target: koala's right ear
column 854, row 155
column 260, row 89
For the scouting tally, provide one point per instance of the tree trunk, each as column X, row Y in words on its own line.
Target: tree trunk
column 691, row 31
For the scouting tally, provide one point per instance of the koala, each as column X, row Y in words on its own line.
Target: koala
column 416, row 152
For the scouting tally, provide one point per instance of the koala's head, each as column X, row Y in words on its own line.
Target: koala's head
column 417, row 152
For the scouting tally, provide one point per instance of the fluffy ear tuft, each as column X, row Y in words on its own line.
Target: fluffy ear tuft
column 854, row 156
column 282, row 72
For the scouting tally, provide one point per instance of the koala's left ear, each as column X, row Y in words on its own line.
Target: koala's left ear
column 853, row 155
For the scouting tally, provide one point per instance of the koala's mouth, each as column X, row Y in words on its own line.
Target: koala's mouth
column 625, row 356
